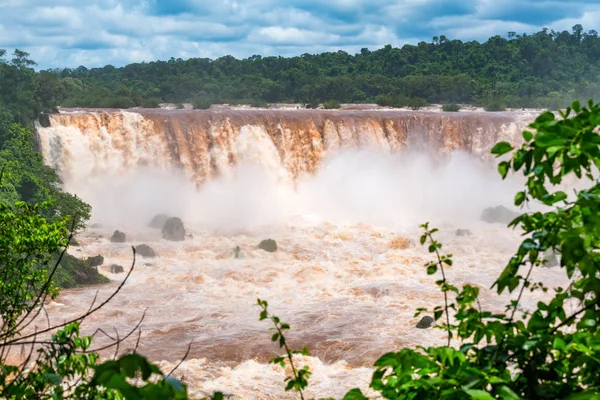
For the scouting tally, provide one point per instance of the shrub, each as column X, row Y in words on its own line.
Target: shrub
column 202, row 103
column 452, row 107
column 416, row 103
column 331, row 105
column 268, row 245
column 179, row 106
column 494, row 106
column 391, row 100
column 152, row 102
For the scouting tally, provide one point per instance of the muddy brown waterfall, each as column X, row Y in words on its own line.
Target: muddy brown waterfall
column 205, row 144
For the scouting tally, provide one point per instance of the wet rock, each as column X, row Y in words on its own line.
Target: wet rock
column 44, row 120
column 73, row 242
column 463, row 232
column 159, row 221
column 425, row 322
column 118, row 237
column 145, row 251
column 498, row 214
column 95, row 261
column 116, row 269
column 173, row 230
column 269, row 245
column 96, row 226
column 73, row 272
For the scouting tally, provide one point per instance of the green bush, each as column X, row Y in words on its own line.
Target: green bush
column 268, row 245
column 331, row 105
column 451, row 107
column 494, row 106
column 152, row 102
column 391, row 100
column 416, row 103
column 179, row 106
column 202, row 103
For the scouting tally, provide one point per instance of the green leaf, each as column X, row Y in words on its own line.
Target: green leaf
column 503, row 168
column 501, row 148
column 507, row 393
column 479, row 394
column 53, row 379
column 527, row 136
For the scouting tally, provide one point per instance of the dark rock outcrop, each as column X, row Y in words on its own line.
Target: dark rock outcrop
column 463, row 232
column 73, row 272
column 145, row 251
column 498, row 214
column 73, row 242
column 425, row 322
column 44, row 120
column 116, row 269
column 159, row 221
column 95, row 261
column 173, row 230
column 118, row 237
column 269, row 245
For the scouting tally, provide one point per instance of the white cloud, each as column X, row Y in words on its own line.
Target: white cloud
column 62, row 33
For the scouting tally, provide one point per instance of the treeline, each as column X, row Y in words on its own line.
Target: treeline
column 546, row 69
column 24, row 177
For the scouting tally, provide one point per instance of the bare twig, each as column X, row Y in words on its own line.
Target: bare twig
column 84, row 316
column 185, row 356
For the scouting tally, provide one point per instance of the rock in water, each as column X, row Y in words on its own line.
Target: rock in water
column 173, row 230
column 145, row 251
column 95, row 261
column 498, row 214
column 425, row 322
column 237, row 252
column 73, row 242
column 116, row 269
column 269, row 245
column 463, row 232
column 118, row 237
column 159, row 221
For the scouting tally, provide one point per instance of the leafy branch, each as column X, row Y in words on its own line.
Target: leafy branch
column 299, row 380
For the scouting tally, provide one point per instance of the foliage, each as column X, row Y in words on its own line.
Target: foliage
column 544, row 69
column 331, row 105
column 23, row 95
column 27, row 244
column 416, row 103
column 269, row 245
column 64, row 366
column 451, row 107
column 299, row 378
column 494, row 106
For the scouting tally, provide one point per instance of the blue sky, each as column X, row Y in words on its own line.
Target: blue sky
column 70, row 33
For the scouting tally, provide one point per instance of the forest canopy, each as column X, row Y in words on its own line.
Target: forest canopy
column 546, row 69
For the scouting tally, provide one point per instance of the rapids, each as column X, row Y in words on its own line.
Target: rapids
column 342, row 193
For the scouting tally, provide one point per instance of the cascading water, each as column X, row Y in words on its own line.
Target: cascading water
column 338, row 190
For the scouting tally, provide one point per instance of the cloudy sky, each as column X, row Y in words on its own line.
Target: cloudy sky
column 70, row 33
